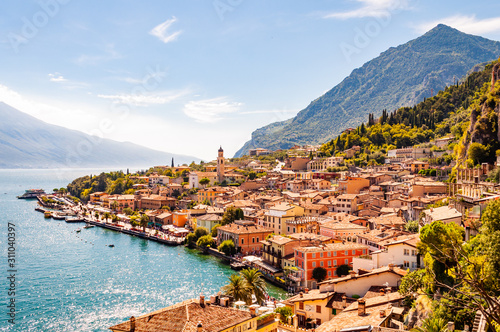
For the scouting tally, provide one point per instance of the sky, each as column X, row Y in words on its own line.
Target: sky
column 189, row 76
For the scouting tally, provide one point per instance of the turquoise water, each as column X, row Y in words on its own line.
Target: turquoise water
column 68, row 281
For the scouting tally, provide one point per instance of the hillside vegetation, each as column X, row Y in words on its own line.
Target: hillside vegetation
column 400, row 76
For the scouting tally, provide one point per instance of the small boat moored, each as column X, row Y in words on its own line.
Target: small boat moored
column 32, row 193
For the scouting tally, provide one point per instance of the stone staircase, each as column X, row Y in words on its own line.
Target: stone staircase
column 479, row 323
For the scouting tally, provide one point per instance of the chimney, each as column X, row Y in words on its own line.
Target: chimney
column 252, row 311
column 391, row 267
column 132, row 324
column 202, row 301
column 199, row 327
column 361, row 307
column 306, row 290
column 344, row 301
column 382, row 313
column 382, row 292
column 352, row 274
column 301, row 294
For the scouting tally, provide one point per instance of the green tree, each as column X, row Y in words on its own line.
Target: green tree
column 204, row 181
column 253, row 278
column 285, row 313
column 205, row 241
column 106, row 216
column 342, row 270
column 227, row 247
column 213, row 232
column 412, row 226
column 252, row 175
column 191, row 239
column 231, row 214
column 114, row 205
column 478, row 153
column 319, row 274
column 237, row 288
column 128, row 211
column 200, row 231
column 144, row 220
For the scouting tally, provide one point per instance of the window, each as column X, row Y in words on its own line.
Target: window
column 321, row 263
column 253, row 240
column 346, row 261
column 354, row 252
column 257, row 239
column 242, row 241
column 414, row 253
column 318, row 309
column 314, row 264
column 334, row 253
column 329, row 263
column 329, row 273
column 301, row 305
column 406, row 264
column 346, row 252
column 321, row 254
column 334, row 262
column 406, row 252
column 314, row 255
column 329, row 254
column 364, row 251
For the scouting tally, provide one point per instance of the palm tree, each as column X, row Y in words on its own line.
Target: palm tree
column 238, row 289
column 144, row 222
column 257, row 285
column 106, row 216
column 432, row 324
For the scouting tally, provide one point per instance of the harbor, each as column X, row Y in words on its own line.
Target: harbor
column 79, row 282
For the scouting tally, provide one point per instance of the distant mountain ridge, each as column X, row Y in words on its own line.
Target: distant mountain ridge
column 400, row 76
column 27, row 142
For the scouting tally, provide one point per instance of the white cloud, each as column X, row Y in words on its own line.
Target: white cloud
column 210, row 110
column 161, row 31
column 464, row 23
column 109, row 54
column 56, row 77
column 371, row 8
column 145, row 99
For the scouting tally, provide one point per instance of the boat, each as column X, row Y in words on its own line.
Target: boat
column 73, row 219
column 78, row 230
column 237, row 266
column 58, row 216
column 111, row 245
column 32, row 193
column 88, row 226
column 47, row 214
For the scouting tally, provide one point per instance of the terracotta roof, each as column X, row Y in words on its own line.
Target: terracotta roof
column 209, row 217
column 342, row 225
column 350, row 318
column 311, row 295
column 333, row 246
column 185, row 316
column 244, row 229
column 384, row 269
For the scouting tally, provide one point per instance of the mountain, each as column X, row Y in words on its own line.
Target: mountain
column 400, row 76
column 26, row 142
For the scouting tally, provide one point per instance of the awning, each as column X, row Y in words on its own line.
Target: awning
column 265, row 266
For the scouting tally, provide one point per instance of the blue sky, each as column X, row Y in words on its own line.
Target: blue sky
column 188, row 76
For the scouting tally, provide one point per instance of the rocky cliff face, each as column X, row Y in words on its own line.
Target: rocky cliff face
column 484, row 126
column 401, row 76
